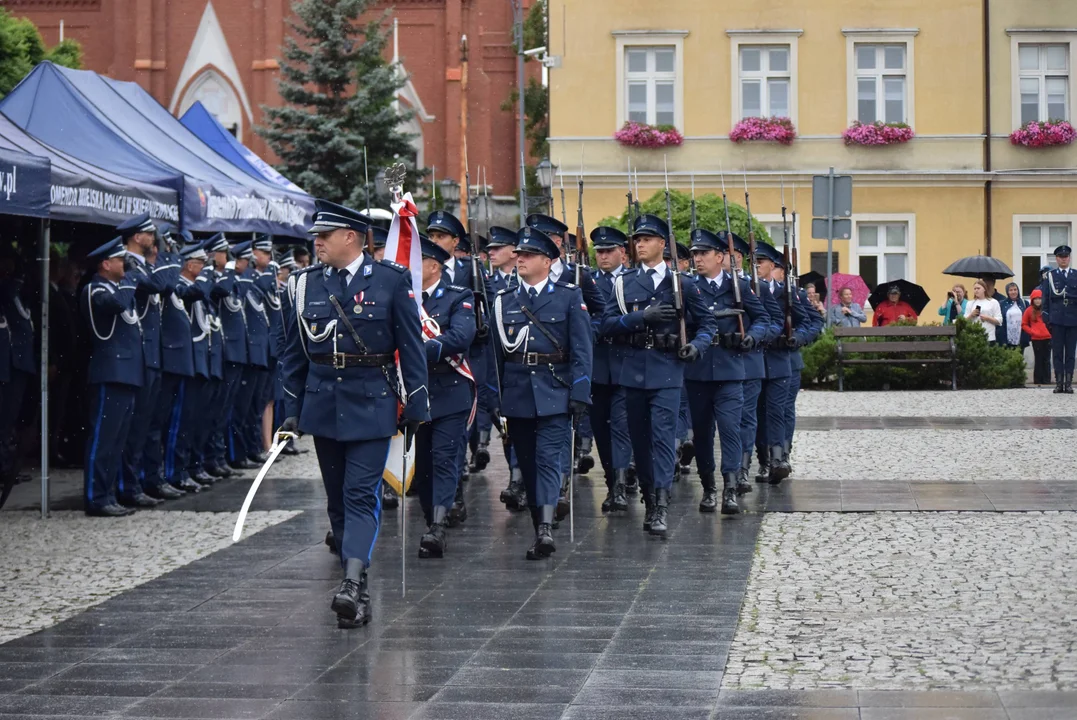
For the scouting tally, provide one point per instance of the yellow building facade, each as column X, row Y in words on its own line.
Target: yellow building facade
column 963, row 74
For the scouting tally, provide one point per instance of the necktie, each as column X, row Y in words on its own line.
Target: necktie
column 531, row 294
column 426, row 296
column 343, row 278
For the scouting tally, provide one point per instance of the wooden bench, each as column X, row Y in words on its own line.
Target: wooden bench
column 938, row 340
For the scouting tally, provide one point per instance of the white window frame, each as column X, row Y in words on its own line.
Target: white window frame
column 763, row 37
column 882, row 36
column 1020, row 37
column 776, row 219
column 651, row 38
column 909, row 219
column 1019, row 220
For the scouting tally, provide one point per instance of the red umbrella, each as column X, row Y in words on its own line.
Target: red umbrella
column 840, row 281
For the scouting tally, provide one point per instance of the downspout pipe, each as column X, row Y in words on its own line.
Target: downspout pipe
column 988, row 211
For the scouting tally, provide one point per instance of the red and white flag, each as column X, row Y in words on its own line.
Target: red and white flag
column 402, row 246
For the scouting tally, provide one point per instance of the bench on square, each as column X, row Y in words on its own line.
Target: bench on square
column 899, row 343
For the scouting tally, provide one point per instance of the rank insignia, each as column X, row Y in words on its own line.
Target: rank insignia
column 367, row 270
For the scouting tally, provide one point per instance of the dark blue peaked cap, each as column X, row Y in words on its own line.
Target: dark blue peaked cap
column 547, row 224
column 464, row 244
column 113, row 248
column 762, row 250
column 191, row 250
column 739, row 244
column 263, row 241
column 138, row 224
column 217, row 243
column 1063, row 250
column 434, row 251
column 607, row 237
column 651, row 225
column 242, row 250
column 683, row 253
column 381, row 236
column 706, row 240
column 329, row 216
column 537, row 242
column 445, row 222
column 501, row 237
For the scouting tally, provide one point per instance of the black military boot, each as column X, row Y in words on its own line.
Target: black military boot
column 506, row 494
column 458, row 513
column 432, row 543
column 688, row 449
column 563, row 505
column 518, row 494
column 661, row 504
column 779, row 468
column 189, row 485
column 352, row 601
column 331, row 543
column 607, row 503
column 631, row 479
column 543, row 546
column 618, row 501
column 729, row 494
column 743, row 486
column 787, row 453
column 481, row 457
column 141, row 501
column 647, row 498
column 764, row 464
column 709, row 503
column 584, row 461
column 1060, row 386
column 164, row 491
column 389, row 500
column 1069, row 385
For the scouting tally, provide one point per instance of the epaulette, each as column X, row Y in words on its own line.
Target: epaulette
column 506, row 290
column 395, row 266
column 459, row 288
column 308, row 268
column 564, row 284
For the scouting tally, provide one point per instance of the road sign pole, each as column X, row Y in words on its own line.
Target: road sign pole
column 830, row 233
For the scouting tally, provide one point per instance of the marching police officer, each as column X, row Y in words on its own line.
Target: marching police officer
column 448, row 329
column 340, row 380
column 641, row 316
column 116, row 372
column 609, row 419
column 814, row 324
column 208, row 453
column 715, row 384
column 1059, row 291
column 545, row 353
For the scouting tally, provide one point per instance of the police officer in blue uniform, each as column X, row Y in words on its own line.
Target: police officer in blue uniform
column 609, row 419
column 545, row 353
column 116, row 372
column 715, row 384
column 814, row 324
column 451, row 320
column 340, row 380
column 262, row 310
column 445, row 230
column 232, row 297
column 209, row 449
column 1059, row 291
column 641, row 317
column 244, row 449
column 686, row 449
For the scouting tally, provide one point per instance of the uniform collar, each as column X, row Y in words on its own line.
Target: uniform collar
column 539, row 287
column 556, row 268
column 136, row 256
column 661, row 269
column 353, row 268
column 430, row 290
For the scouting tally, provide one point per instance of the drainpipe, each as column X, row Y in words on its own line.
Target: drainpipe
column 988, row 214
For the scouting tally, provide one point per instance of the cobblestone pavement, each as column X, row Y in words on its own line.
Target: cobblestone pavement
column 54, row 569
column 1032, row 402
column 957, row 601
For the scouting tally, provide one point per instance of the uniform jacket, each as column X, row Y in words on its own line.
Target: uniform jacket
column 596, row 303
column 354, row 403
column 644, row 368
column 152, row 281
column 215, row 339
column 723, row 362
column 814, row 323
column 20, row 328
column 203, row 335
column 1059, row 290
column 543, row 390
column 608, row 357
column 229, row 293
column 256, row 313
column 452, row 308
column 755, row 367
column 177, row 352
column 266, row 283
column 461, row 274
column 777, row 354
column 111, row 313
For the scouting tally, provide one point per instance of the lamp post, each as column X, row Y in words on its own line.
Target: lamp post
column 545, row 172
column 450, row 194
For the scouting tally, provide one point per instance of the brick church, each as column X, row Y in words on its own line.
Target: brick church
column 225, row 53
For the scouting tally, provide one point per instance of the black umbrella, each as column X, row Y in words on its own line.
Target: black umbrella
column 814, row 278
column 979, row 266
column 911, row 293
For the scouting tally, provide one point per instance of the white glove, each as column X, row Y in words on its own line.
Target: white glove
column 230, row 265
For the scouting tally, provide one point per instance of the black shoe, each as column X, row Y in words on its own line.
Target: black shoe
column 432, row 543
column 142, row 500
column 202, row 477
column 241, row 464
column 764, row 473
column 709, row 503
column 607, row 502
column 458, row 512
column 258, row 458
column 190, row 486
column 164, row 491
column 563, row 507
column 743, row 486
column 648, row 516
column 352, row 601
column 543, row 546
column 661, row 504
column 688, row 450
column 110, row 511
column 218, row 471
column 729, row 502
column 389, row 500
column 631, row 480
column 779, row 466
column 331, row 543
column 481, row 457
column 584, row 464
column 1068, row 388
column 290, row 449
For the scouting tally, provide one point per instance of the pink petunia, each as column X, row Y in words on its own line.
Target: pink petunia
column 755, row 129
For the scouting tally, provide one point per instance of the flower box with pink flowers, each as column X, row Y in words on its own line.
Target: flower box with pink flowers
column 773, row 129
column 1051, row 133
column 642, row 135
column 877, row 133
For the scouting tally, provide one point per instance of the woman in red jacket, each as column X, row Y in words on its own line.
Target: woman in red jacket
column 1032, row 323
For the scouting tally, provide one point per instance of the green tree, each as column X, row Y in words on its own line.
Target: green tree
column 22, row 48
column 536, row 96
column 339, row 93
column 710, row 215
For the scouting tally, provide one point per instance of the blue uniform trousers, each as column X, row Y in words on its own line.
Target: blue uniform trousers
column 189, row 412
column 223, row 409
column 652, row 421
column 541, row 446
column 132, row 468
column 749, row 414
column 351, row 474
column 162, row 421
column 437, row 462
column 772, row 413
column 1063, row 346
column 791, row 408
column 240, row 414
column 716, row 403
column 112, row 408
column 261, row 379
column 610, row 425
column 684, row 417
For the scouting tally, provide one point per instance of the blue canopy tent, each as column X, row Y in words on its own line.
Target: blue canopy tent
column 24, row 183
column 210, row 131
column 119, row 126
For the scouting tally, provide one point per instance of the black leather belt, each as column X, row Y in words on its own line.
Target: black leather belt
column 729, row 341
column 536, row 358
column 345, row 360
column 649, row 341
column 440, row 368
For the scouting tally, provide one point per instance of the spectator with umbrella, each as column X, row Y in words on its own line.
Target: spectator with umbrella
column 1034, row 326
column 1013, row 307
column 956, row 302
column 984, row 311
column 904, row 301
column 846, row 313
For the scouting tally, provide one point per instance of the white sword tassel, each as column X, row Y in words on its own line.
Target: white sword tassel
column 282, row 442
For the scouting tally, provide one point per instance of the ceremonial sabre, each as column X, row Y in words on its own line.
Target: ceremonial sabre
column 282, row 442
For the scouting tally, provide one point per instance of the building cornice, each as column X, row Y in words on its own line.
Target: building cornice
column 1041, row 31
column 765, row 31
column 880, row 31
column 649, row 33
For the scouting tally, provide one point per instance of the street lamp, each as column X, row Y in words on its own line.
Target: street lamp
column 450, row 193
column 544, row 170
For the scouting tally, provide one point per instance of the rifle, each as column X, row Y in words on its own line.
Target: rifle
column 674, row 276
column 478, row 282
column 737, row 299
column 691, row 257
column 564, row 215
column 632, row 217
column 789, row 272
column 366, row 191
column 582, row 257
column 486, row 197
